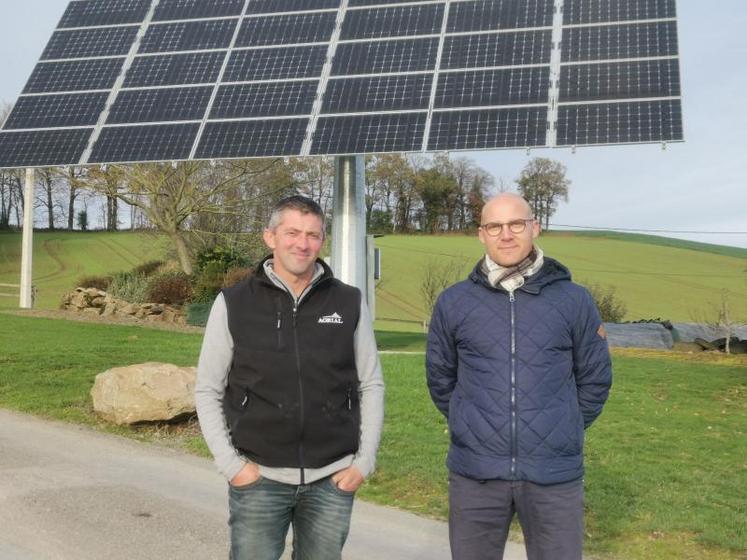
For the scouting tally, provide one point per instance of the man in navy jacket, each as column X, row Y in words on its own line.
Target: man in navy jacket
column 518, row 363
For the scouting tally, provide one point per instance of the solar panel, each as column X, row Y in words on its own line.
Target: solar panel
column 159, row 80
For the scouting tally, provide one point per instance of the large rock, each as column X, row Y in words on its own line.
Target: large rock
column 147, row 392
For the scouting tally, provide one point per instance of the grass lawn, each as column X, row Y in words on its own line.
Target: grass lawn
column 666, row 462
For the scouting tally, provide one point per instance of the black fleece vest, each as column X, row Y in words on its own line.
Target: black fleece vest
column 292, row 393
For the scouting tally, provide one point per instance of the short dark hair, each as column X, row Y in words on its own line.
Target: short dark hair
column 296, row 202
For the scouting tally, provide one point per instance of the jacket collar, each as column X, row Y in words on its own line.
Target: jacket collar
column 552, row 271
column 322, row 274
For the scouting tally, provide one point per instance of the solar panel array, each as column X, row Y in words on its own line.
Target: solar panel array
column 161, row 80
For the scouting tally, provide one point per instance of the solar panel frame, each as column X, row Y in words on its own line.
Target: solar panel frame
column 221, row 71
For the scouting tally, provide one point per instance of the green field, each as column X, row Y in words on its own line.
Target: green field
column 666, row 473
column 60, row 258
column 655, row 277
column 673, row 280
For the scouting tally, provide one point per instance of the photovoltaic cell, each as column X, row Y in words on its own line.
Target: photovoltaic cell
column 160, row 105
column 619, row 80
column 188, row 36
column 265, row 99
column 482, row 88
column 287, row 29
column 619, row 123
column 195, row 9
column 84, row 43
column 175, row 69
column 398, row 21
column 354, row 3
column 85, row 13
column 496, row 128
column 280, row 6
column 273, row 87
column 275, row 63
column 379, row 57
column 485, row 15
column 369, row 134
column 277, row 137
column 610, row 42
column 602, row 11
column 500, row 49
column 43, row 147
column 55, row 111
column 74, row 75
column 379, row 93
column 144, row 143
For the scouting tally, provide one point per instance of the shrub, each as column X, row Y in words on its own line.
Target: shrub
column 147, row 268
column 222, row 257
column 611, row 308
column 99, row 282
column 129, row 287
column 236, row 275
column 197, row 314
column 172, row 288
column 208, row 282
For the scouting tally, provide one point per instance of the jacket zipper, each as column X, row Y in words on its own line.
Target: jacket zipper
column 514, row 437
column 300, row 395
column 298, row 370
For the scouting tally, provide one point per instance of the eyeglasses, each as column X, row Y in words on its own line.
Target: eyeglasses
column 494, row 229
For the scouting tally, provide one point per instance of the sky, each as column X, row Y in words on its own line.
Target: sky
column 699, row 185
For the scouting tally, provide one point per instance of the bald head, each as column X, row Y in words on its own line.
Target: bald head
column 507, row 202
column 502, row 216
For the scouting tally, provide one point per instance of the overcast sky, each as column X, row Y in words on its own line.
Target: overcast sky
column 699, row 185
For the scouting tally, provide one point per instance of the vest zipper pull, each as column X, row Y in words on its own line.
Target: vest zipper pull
column 350, row 401
column 279, row 315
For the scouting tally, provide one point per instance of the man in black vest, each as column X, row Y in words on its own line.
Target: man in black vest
column 290, row 395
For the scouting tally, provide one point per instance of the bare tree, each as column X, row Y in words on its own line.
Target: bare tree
column 49, row 186
column 720, row 318
column 314, row 178
column 108, row 180
column 172, row 196
column 438, row 274
column 76, row 180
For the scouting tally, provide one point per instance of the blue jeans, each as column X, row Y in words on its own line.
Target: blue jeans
column 260, row 514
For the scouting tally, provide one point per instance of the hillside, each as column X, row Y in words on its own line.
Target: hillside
column 655, row 277
column 60, row 258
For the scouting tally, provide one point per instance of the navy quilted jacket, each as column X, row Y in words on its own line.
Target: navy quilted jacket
column 518, row 377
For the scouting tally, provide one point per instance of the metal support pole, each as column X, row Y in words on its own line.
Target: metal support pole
column 370, row 276
column 349, row 256
column 28, row 241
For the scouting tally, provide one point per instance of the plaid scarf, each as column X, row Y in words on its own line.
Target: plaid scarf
column 513, row 277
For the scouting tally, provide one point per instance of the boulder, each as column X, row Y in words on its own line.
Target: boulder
column 110, row 309
column 148, row 392
column 130, row 309
column 79, row 300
